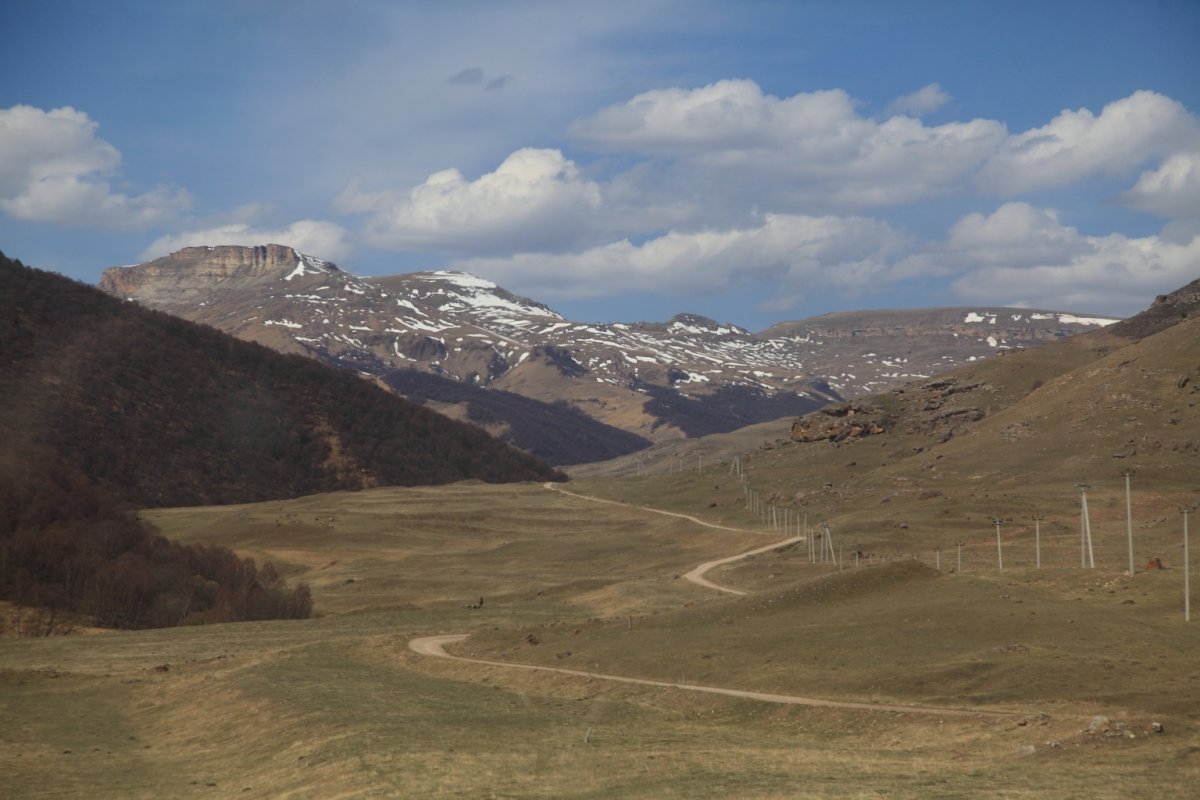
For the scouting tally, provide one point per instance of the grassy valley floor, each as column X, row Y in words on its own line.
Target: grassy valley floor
column 338, row 706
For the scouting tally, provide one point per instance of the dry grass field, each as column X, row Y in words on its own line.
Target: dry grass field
column 338, row 706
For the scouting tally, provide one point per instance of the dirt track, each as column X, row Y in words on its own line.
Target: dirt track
column 696, row 575
column 435, row 646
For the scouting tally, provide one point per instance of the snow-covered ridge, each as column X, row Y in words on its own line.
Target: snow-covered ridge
column 990, row 317
column 1071, row 319
column 469, row 328
column 465, row 291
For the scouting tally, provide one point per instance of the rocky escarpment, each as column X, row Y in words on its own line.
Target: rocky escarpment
column 939, row 409
column 1167, row 310
column 193, row 272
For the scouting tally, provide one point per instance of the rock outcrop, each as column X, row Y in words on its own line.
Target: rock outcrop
column 840, row 422
column 195, row 271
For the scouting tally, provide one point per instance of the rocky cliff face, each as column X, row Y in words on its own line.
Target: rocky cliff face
column 195, row 271
column 1167, row 310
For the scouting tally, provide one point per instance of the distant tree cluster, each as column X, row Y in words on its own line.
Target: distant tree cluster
column 66, row 545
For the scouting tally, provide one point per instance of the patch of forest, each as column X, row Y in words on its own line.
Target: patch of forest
column 67, row 546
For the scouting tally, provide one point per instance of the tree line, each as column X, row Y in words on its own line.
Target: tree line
column 67, row 545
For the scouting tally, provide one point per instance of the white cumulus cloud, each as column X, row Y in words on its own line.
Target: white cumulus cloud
column 923, row 101
column 809, row 150
column 318, row 238
column 53, row 168
column 1125, row 135
column 536, row 199
column 1172, row 190
column 793, row 252
column 815, row 150
column 1024, row 256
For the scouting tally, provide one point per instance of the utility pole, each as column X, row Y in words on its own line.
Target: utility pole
column 959, row 544
column 1129, row 518
column 1086, row 556
column 1187, row 583
column 1037, row 537
column 999, row 551
column 808, row 540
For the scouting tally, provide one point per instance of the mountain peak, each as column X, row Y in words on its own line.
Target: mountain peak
column 462, row 291
column 203, row 267
column 696, row 323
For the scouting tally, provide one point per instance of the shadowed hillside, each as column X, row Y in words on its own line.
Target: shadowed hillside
column 161, row 411
column 556, row 432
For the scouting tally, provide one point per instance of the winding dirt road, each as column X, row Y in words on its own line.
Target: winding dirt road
column 696, row 575
column 435, row 646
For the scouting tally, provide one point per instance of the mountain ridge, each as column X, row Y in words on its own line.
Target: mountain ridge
column 658, row 380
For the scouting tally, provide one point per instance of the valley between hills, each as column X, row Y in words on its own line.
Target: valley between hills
column 1056, row 680
column 340, row 705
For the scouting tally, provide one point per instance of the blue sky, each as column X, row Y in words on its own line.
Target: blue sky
column 751, row 161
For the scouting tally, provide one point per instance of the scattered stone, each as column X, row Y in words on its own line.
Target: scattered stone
column 1157, row 727
column 839, row 422
column 1026, row 750
column 1098, row 724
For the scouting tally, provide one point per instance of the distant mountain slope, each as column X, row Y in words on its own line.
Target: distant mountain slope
column 936, row 460
column 661, row 381
column 1167, row 310
column 555, row 432
column 161, row 411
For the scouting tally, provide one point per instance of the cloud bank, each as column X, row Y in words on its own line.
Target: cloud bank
column 53, row 168
column 725, row 184
column 702, row 190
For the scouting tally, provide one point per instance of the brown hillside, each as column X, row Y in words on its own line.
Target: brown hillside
column 166, row 412
column 1007, row 438
column 936, row 461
